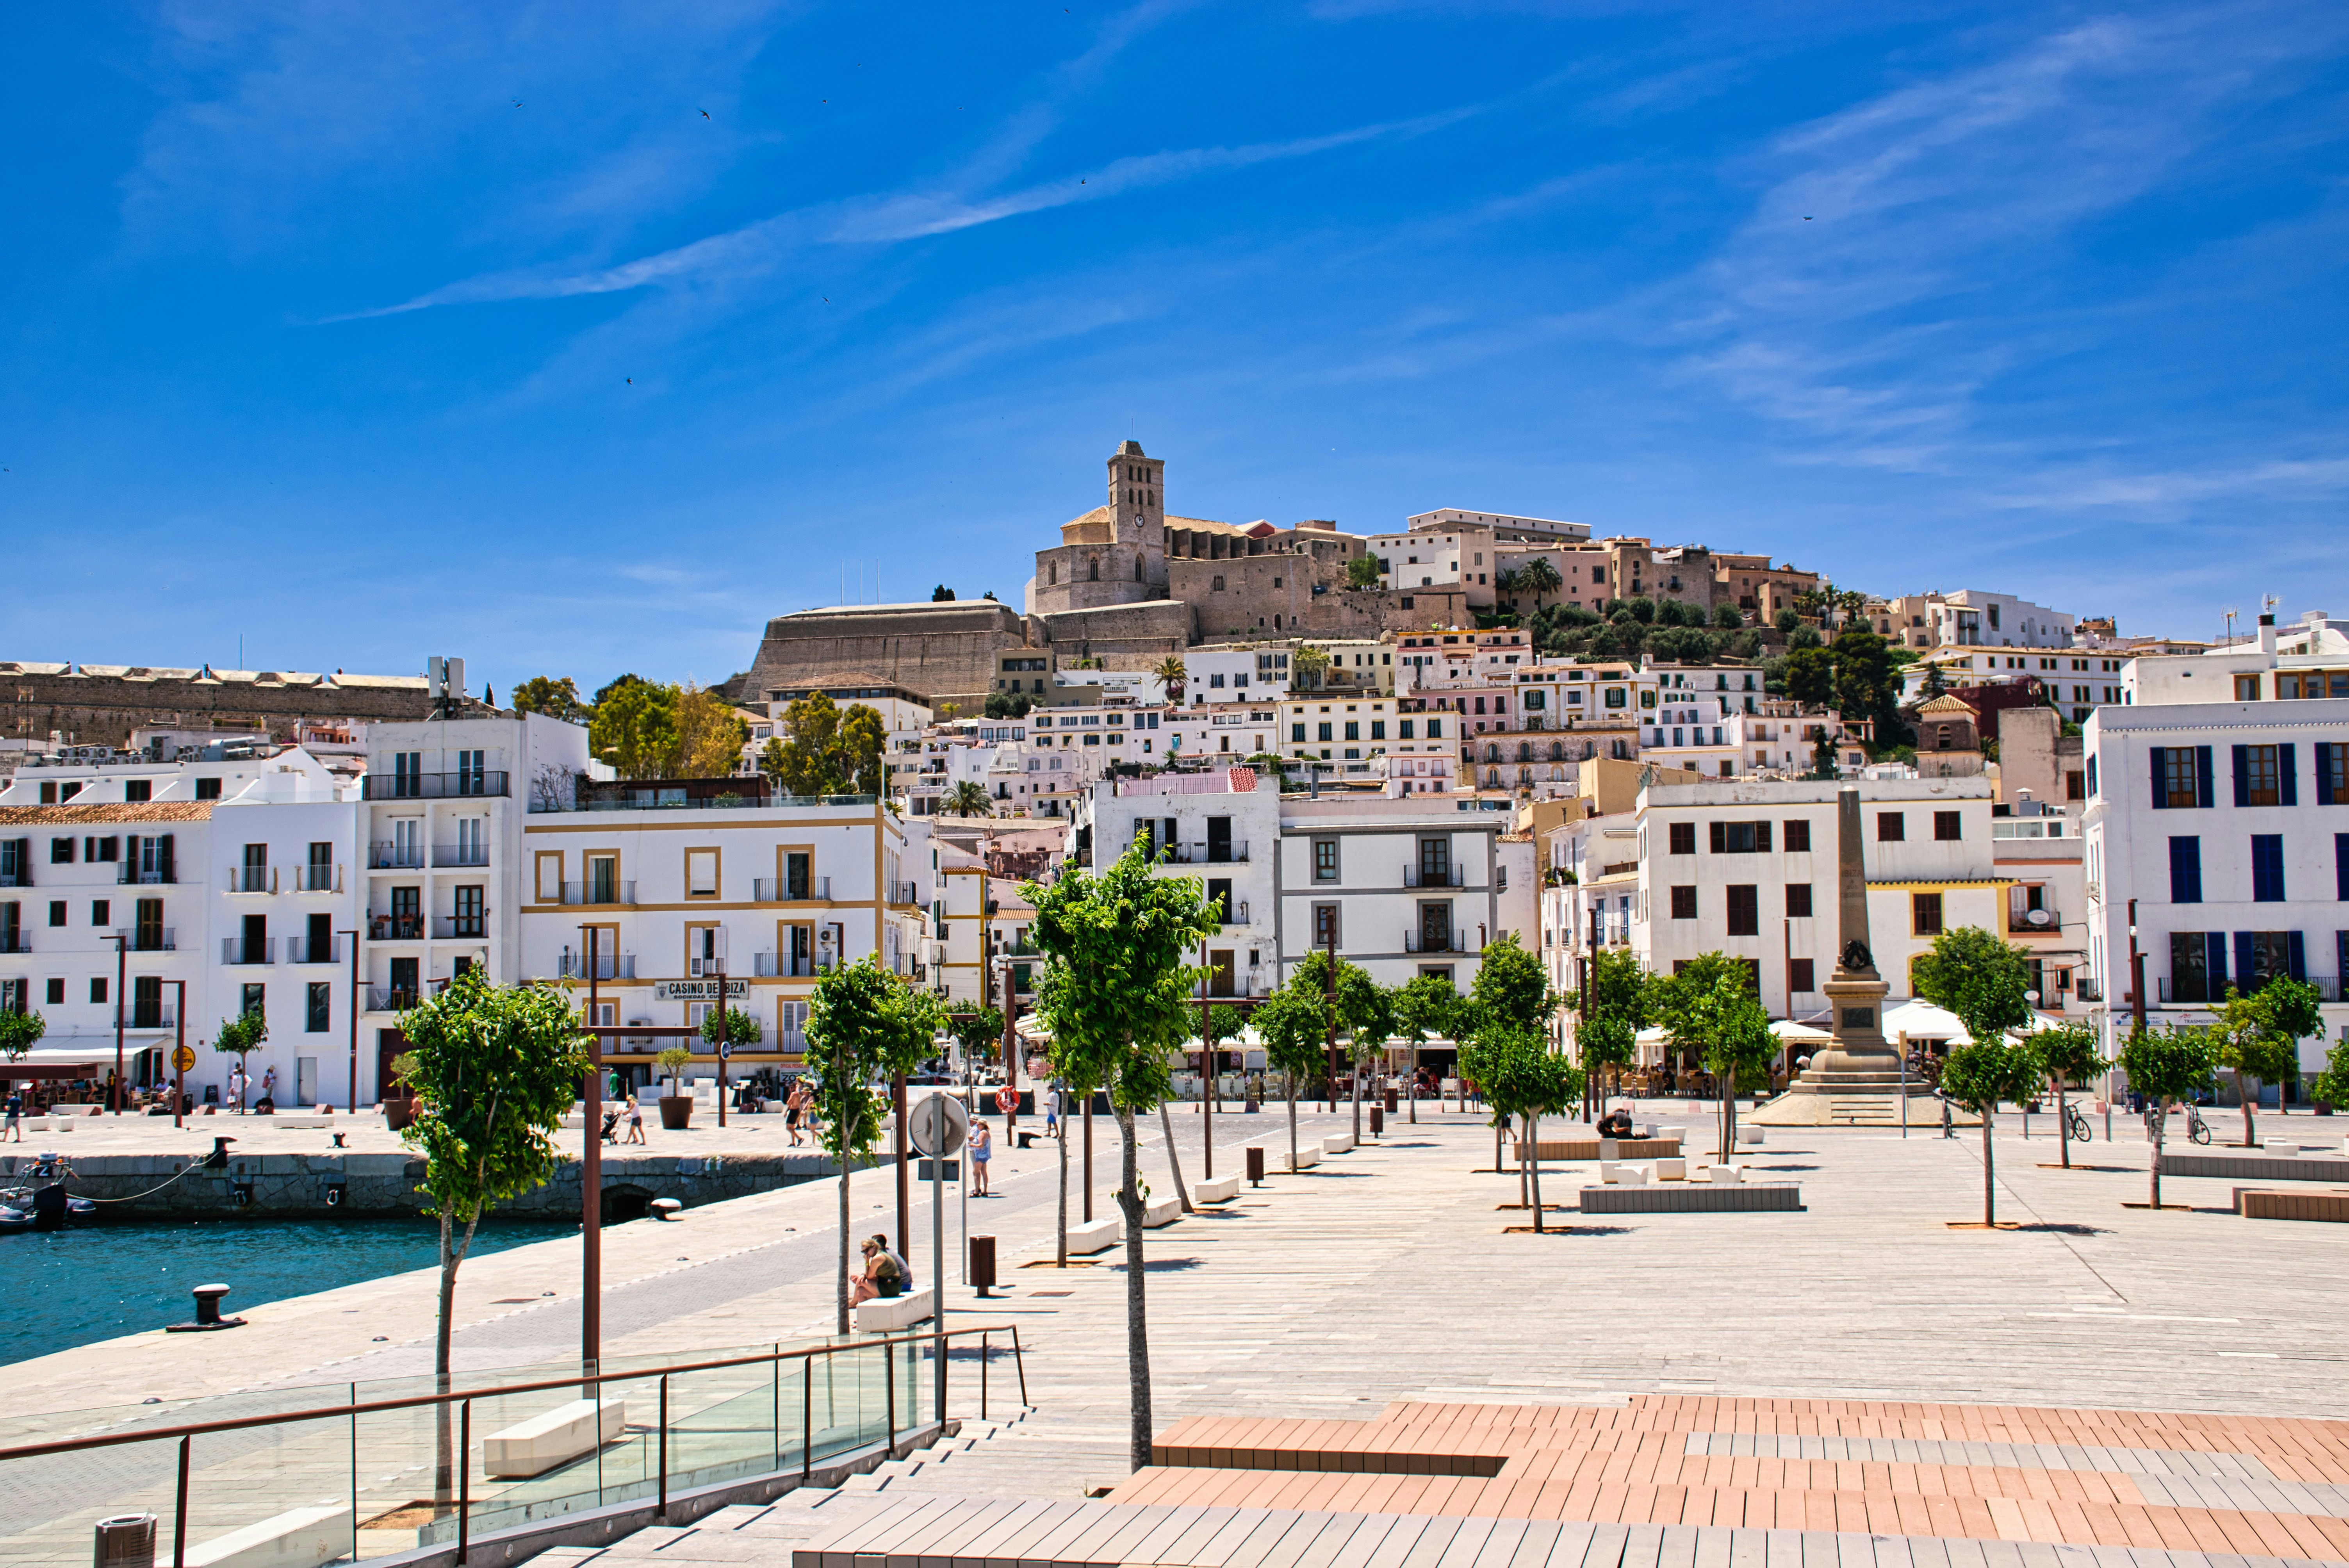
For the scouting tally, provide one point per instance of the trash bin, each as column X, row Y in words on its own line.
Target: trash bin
column 982, row 1264
column 1255, row 1165
column 1379, row 1118
column 1392, row 1102
column 126, row 1540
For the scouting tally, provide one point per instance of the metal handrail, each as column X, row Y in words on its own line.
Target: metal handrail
column 416, row 1401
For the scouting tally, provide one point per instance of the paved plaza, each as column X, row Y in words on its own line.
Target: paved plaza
column 1394, row 1272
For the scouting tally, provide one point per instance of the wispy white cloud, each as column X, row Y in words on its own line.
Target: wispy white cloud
column 2176, row 488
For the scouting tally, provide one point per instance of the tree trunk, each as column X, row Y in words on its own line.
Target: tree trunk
column 2244, row 1095
column 842, row 1327
column 1989, row 1205
column 2063, row 1125
column 1729, row 1105
column 444, row 1470
column 1533, row 1147
column 1137, row 1330
column 2160, row 1130
column 1174, row 1158
column 1061, row 1228
column 1518, row 1133
column 1357, row 1102
column 1290, row 1079
column 1414, row 1080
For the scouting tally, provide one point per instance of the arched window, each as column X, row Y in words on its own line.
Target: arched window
column 1056, row 571
column 1137, row 569
column 1096, row 572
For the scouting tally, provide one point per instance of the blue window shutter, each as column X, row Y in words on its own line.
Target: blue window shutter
column 2160, row 755
column 2217, row 944
column 2185, row 871
column 2242, row 963
column 2298, row 956
column 2324, row 773
column 2243, row 775
column 2288, row 775
column 2341, row 869
column 2092, row 778
column 2205, row 794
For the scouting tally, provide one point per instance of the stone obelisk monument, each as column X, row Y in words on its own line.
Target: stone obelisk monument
column 1846, row 1077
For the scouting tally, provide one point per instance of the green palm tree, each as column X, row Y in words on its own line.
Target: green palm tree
column 1170, row 670
column 969, row 798
column 1538, row 577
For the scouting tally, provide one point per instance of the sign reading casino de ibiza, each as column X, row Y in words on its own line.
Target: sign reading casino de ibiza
column 696, row 990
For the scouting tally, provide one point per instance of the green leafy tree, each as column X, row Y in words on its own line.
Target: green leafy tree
column 863, row 1024
column 1521, row 1081
column 1787, row 619
column 1425, row 1008
column 969, row 798
column 1866, row 686
column 19, row 1032
column 709, row 734
column 635, row 729
column 1738, row 1046
column 1115, row 994
column 941, row 595
column 1293, row 1023
column 1979, row 979
column 2166, row 1066
column 1608, row 1036
column 240, row 1037
column 1728, row 617
column 1171, row 672
column 543, row 694
column 830, row 750
column 1978, row 1077
column 979, row 1033
column 724, row 1026
column 1310, row 665
column 1537, row 577
column 495, row 1069
column 673, row 1060
column 2069, row 1055
column 1363, row 573
column 2258, row 1038
column 1810, row 676
column 2332, row 1085
column 1366, row 1008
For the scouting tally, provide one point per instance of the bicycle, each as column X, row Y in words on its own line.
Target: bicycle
column 2196, row 1128
column 2075, row 1125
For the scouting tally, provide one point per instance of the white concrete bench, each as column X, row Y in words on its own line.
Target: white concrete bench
column 1622, row 1173
column 1671, row 1170
column 1750, row 1135
column 1724, row 1175
column 564, row 1433
column 883, row 1313
column 1339, row 1144
column 1165, row 1211
column 1305, row 1158
column 298, row 1538
column 1097, row 1237
column 293, row 1118
column 1222, row 1189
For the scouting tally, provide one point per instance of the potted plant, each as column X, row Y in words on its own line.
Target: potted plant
column 399, row 1094
column 675, row 1108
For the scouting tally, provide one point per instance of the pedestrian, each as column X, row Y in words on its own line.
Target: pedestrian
column 1052, row 1111
column 269, row 1085
column 15, row 1125
column 792, row 1105
column 982, row 1145
column 636, row 1121
column 905, row 1271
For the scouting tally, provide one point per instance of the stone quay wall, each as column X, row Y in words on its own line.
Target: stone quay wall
column 362, row 1183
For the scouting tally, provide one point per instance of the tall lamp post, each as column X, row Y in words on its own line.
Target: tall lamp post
column 356, row 1000
column 179, row 1055
column 591, row 1180
column 121, row 941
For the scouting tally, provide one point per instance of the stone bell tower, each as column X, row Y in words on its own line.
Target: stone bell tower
column 1137, row 504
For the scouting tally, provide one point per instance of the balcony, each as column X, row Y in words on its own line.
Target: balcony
column 458, row 855
column 792, row 1043
column 16, row 942
column 133, row 876
column 903, row 892
column 1208, row 855
column 151, row 1015
column 395, row 857
column 431, row 786
column 781, row 967
column 252, row 878
column 319, row 879
column 2035, row 923
column 608, row 966
column 149, row 938
column 385, row 999
column 302, row 950
column 2194, row 991
column 23, row 877
column 1435, row 876
column 708, row 969
column 395, row 928
column 1432, row 941
column 2088, row 991
column 782, row 890
column 240, row 950
column 602, row 892
column 2027, row 827
column 461, row 927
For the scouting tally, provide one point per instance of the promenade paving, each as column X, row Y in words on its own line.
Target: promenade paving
column 1392, row 1273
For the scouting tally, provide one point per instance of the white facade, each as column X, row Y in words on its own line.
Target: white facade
column 1503, row 523
column 1217, row 675
column 1972, row 618
column 1410, row 885
column 1221, row 827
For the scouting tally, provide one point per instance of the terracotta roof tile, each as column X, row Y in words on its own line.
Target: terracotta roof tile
column 117, row 811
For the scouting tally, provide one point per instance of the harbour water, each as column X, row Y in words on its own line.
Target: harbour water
column 74, row 1286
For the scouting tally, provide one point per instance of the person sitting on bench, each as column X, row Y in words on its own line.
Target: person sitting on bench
column 1616, row 1123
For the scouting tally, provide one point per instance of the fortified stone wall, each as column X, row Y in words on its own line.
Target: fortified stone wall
column 100, row 705
column 1144, row 632
column 936, row 651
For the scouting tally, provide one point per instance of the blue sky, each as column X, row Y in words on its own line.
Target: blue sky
column 575, row 339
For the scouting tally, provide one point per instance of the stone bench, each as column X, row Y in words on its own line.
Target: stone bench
column 1161, row 1211
column 1621, row 1173
column 1097, row 1237
column 1306, row 1158
column 298, row 1538
column 884, row 1313
column 2255, row 1166
column 1686, row 1198
column 566, row 1432
column 1750, row 1136
column 1720, row 1175
column 1341, row 1143
column 1571, row 1148
column 1671, row 1169
column 1222, row 1189
column 2254, row 1204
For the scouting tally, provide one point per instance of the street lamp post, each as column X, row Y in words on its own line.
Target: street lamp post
column 178, row 1055
column 121, row 982
column 2136, row 973
column 591, row 1181
column 355, row 1023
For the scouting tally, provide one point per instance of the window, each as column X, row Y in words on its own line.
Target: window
column 1741, row 838
column 1325, row 926
column 1325, row 859
column 1402, row 729
column 2190, row 965
column 1945, row 826
column 1683, row 902
column 1799, row 979
column 1683, row 837
column 208, row 789
column 1296, row 732
column 61, row 851
column 1354, row 729
column 1925, row 914
column 1744, row 905
column 2332, row 774
column 1324, row 734
column 1891, row 828
column 318, row 1010
column 138, row 790
column 701, row 873
column 2247, row 688
column 56, row 991
column 2181, row 778
column 2267, row 868
column 1798, row 837
column 100, row 913
column 1799, row 901
column 98, row 988
column 2186, row 870
column 2263, row 776
column 56, row 911
column 1434, row 730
